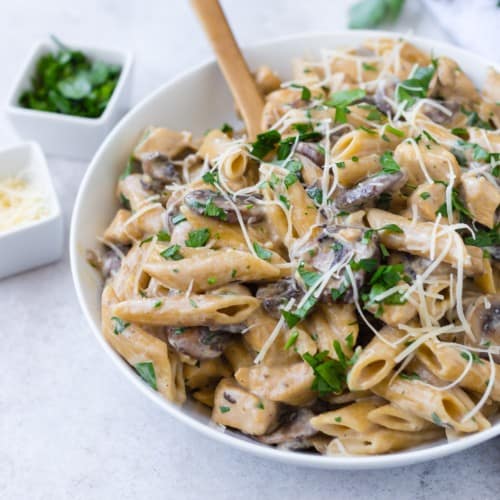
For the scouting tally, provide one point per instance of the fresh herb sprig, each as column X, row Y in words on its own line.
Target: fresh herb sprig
column 68, row 82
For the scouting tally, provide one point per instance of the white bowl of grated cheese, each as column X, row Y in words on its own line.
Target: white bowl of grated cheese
column 31, row 227
column 196, row 101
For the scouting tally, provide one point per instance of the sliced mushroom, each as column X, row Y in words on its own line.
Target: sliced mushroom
column 312, row 152
column 369, row 190
column 109, row 263
column 277, row 294
column 211, row 204
column 438, row 115
column 293, row 434
column 333, row 245
column 159, row 171
column 198, row 342
column 483, row 316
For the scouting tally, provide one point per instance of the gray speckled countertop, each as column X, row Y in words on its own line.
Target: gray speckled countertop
column 70, row 425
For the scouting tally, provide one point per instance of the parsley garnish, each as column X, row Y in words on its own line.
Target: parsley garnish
column 292, row 339
column 262, row 253
column 485, row 238
column 468, row 355
column 389, row 164
column 369, row 67
column 409, row 376
column 147, row 371
column 226, row 128
column 198, row 238
column 265, row 143
column 210, row 177
column 120, row 325
column 310, row 278
column 416, row 86
column 456, row 204
column 172, row 252
column 316, row 194
column 306, row 93
column 425, row 195
column 224, row 409
column 177, row 219
column 329, row 374
column 340, row 100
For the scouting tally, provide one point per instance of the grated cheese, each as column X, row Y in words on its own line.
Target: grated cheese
column 20, row 203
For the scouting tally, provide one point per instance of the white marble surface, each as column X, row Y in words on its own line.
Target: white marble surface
column 70, row 425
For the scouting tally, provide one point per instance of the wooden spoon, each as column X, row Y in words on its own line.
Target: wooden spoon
column 232, row 64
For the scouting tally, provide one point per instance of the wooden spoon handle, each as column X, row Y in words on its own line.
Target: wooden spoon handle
column 232, row 63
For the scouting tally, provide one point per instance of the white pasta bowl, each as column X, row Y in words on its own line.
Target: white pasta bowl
column 198, row 100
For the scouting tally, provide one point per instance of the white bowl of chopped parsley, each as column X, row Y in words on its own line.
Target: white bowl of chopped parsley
column 69, row 97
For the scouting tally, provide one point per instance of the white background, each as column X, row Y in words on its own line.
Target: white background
column 70, row 425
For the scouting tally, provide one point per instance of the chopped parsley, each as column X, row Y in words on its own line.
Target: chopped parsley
column 177, row 219
column 340, row 100
column 224, row 409
column 119, row 325
column 211, row 280
column 158, row 304
column 456, row 204
column 147, row 371
column 161, row 236
column 306, row 93
column 292, row 339
column 212, row 210
column 416, row 86
column 369, row 67
column 262, row 253
column 210, row 177
column 485, row 237
column 409, row 376
column 172, row 252
column 226, row 128
column 265, row 143
column 310, row 278
column 390, row 228
column 329, row 374
column 425, row 195
column 198, row 238
column 470, row 355
column 316, row 194
column 388, row 163
column 394, row 131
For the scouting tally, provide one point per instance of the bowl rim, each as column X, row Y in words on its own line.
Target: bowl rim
column 13, row 108
column 341, row 462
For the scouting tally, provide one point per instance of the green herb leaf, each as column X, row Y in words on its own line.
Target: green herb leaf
column 265, row 143
column 177, row 219
column 389, row 164
column 262, row 253
column 292, row 339
column 226, row 128
column 119, row 325
column 224, row 409
column 310, row 278
column 198, row 238
column 172, row 252
column 371, row 13
column 147, row 371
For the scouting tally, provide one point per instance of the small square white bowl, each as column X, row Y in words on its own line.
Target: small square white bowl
column 66, row 135
column 35, row 243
